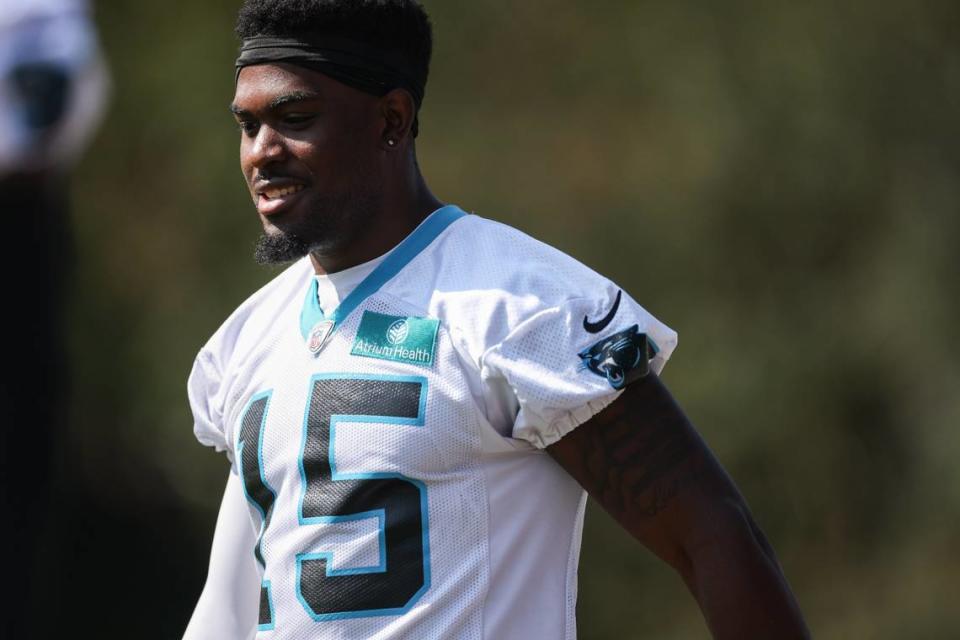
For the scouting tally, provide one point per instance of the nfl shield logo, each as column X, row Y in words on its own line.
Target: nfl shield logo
column 318, row 336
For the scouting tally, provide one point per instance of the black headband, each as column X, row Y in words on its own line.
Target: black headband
column 356, row 64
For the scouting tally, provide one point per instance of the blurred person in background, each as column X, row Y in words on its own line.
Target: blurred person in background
column 53, row 85
column 415, row 410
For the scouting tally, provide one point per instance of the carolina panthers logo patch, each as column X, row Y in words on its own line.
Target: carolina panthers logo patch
column 623, row 355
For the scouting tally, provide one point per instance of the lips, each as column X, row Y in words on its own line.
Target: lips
column 275, row 196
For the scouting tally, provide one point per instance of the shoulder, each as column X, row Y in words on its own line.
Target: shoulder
column 486, row 280
column 485, row 268
column 498, row 255
column 506, row 276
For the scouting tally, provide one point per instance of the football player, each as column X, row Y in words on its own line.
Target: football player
column 415, row 410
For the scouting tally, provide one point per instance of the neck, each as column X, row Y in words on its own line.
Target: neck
column 402, row 210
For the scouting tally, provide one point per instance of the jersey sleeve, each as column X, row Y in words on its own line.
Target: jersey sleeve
column 567, row 361
column 206, row 391
column 227, row 606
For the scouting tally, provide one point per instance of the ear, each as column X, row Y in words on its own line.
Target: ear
column 398, row 111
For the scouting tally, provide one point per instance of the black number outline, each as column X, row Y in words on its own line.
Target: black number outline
column 263, row 496
column 415, row 418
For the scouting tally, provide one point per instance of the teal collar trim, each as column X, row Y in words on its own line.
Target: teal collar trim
column 407, row 250
column 311, row 313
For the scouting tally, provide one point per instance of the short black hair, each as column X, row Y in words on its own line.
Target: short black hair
column 399, row 25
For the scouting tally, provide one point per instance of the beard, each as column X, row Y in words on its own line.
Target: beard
column 330, row 226
column 279, row 248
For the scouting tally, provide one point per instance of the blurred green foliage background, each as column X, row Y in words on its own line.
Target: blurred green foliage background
column 778, row 181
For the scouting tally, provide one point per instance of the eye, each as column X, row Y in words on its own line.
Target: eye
column 298, row 119
column 248, row 127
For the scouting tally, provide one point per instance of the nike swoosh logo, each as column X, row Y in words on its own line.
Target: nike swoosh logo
column 597, row 327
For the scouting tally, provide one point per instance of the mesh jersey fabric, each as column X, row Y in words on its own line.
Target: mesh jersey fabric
column 409, row 500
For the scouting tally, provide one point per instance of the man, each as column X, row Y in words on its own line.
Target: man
column 412, row 408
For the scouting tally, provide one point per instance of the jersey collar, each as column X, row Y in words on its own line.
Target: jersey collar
column 407, row 250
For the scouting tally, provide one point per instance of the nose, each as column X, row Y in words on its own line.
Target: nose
column 266, row 147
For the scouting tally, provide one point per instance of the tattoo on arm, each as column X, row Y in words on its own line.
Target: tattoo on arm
column 643, row 461
column 637, row 455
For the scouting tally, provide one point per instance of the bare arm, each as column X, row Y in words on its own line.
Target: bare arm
column 643, row 461
column 228, row 605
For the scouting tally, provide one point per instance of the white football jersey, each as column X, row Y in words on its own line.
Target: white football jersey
column 391, row 449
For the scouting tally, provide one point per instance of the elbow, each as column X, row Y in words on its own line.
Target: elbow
column 723, row 529
column 733, row 572
column 709, row 529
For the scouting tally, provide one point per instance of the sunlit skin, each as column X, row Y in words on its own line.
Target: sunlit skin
column 318, row 164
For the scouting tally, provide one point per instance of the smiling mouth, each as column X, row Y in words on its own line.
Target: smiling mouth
column 274, row 199
column 280, row 192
